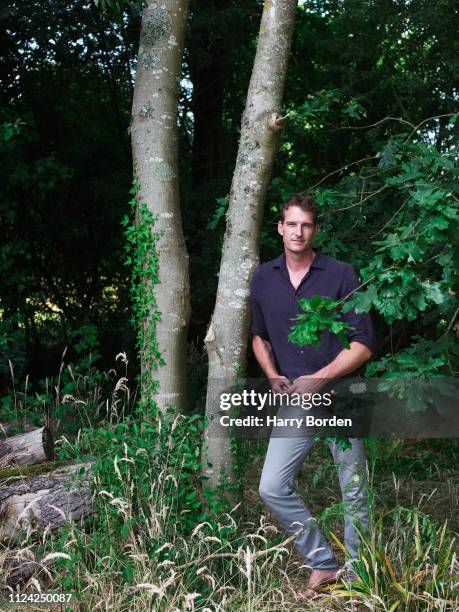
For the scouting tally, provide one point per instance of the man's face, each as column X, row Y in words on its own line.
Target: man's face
column 297, row 230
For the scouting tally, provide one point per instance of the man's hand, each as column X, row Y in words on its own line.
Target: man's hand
column 307, row 384
column 280, row 384
column 347, row 361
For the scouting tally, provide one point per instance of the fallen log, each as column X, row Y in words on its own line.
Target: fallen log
column 28, row 471
column 21, row 425
column 47, row 501
column 16, row 567
column 35, row 446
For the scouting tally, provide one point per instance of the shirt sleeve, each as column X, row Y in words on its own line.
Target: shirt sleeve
column 363, row 326
column 257, row 326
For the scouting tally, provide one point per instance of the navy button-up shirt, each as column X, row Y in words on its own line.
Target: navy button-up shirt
column 275, row 306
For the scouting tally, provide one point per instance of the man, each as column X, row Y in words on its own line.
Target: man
column 302, row 272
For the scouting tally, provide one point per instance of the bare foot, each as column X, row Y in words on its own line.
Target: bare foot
column 317, row 580
column 320, row 578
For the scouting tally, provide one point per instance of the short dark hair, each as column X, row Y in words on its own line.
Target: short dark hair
column 305, row 202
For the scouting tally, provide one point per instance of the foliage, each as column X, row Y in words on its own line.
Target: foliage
column 78, row 395
column 319, row 314
column 64, row 151
column 411, row 568
column 416, row 252
column 310, row 115
column 142, row 260
column 220, row 212
column 12, row 347
column 422, row 459
column 149, row 544
column 373, row 138
column 422, row 358
column 408, row 266
column 146, row 475
column 145, row 449
column 371, row 73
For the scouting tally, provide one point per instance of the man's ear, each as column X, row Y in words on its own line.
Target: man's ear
column 280, row 228
column 316, row 229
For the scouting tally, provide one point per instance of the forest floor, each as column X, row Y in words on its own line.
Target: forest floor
column 409, row 566
column 416, row 478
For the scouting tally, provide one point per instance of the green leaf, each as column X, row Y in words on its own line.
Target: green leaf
column 362, row 300
column 127, row 573
column 434, row 293
column 322, row 315
column 387, row 158
column 418, row 299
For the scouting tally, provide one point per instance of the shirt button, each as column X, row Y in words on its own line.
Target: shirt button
column 301, row 352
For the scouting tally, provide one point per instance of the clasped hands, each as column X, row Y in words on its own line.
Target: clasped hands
column 309, row 383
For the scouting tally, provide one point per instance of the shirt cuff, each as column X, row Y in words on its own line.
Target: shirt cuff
column 366, row 341
column 257, row 331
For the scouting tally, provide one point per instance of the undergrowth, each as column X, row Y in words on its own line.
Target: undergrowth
column 156, row 542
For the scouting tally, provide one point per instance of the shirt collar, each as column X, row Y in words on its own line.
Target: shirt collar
column 318, row 262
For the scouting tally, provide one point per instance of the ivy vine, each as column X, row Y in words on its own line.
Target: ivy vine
column 143, row 260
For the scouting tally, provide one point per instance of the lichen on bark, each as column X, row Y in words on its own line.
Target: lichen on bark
column 146, row 111
column 243, row 157
column 255, row 160
column 150, row 59
column 163, row 171
column 156, row 27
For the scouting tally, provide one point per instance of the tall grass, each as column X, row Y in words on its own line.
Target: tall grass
column 157, row 542
column 410, row 566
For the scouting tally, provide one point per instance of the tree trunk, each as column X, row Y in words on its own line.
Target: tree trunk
column 155, row 152
column 29, row 448
column 45, row 501
column 226, row 339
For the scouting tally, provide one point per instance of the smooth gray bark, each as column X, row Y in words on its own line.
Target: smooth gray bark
column 155, row 151
column 226, row 339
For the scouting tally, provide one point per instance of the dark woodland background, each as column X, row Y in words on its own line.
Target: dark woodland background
column 67, row 73
column 371, row 95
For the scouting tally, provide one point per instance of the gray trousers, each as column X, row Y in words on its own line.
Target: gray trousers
column 283, row 461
